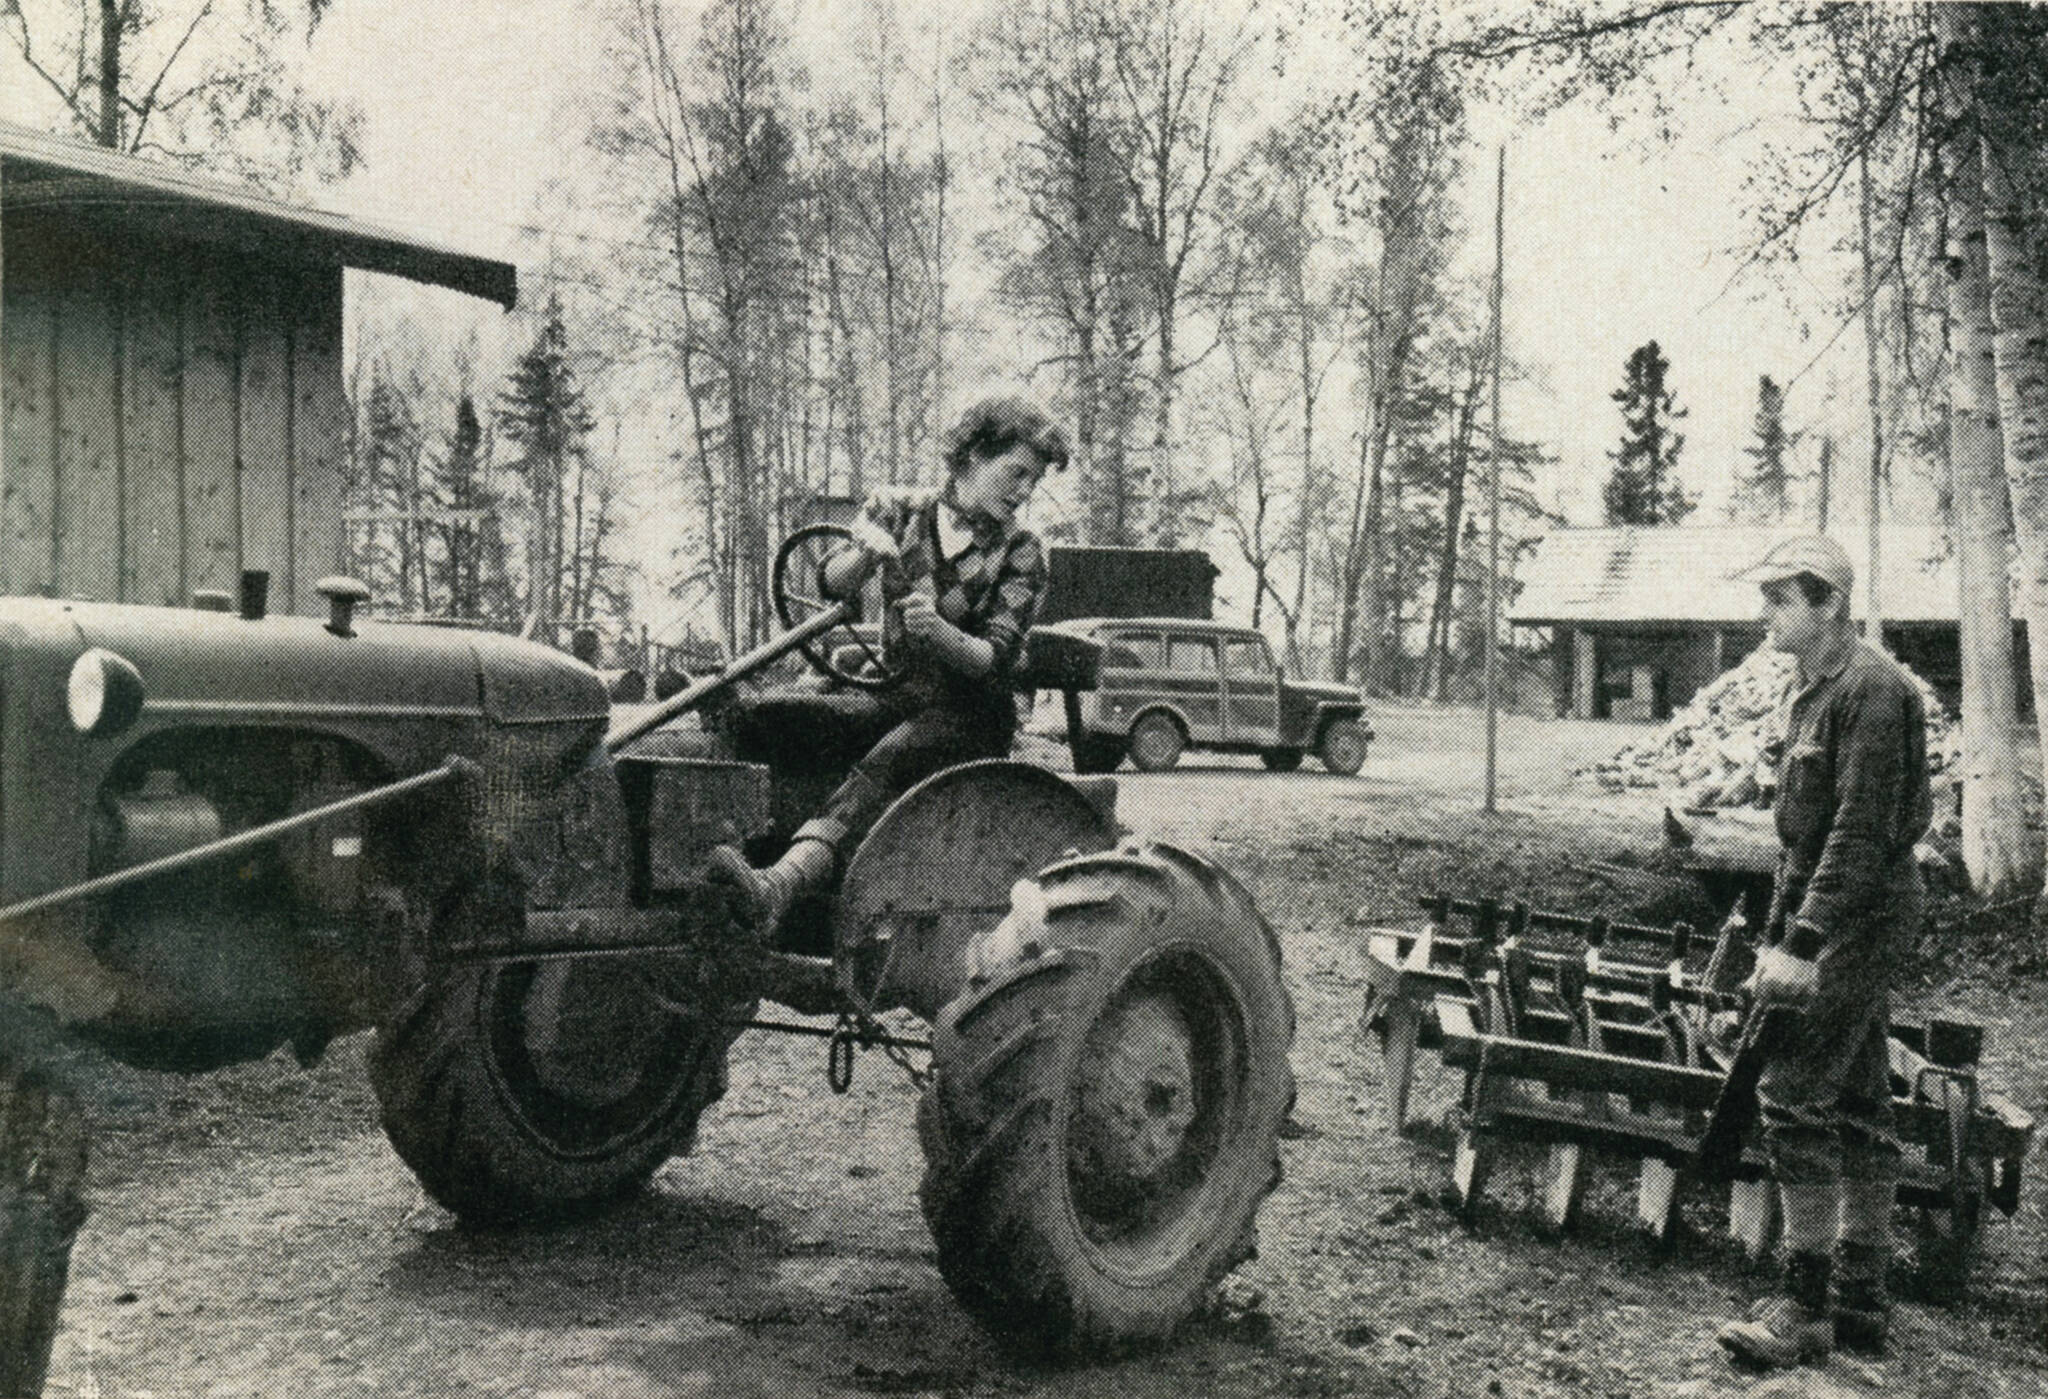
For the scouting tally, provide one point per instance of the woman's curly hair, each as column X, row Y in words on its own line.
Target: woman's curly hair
column 995, row 425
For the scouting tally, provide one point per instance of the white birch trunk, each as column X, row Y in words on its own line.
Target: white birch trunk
column 1994, row 830
column 2015, row 178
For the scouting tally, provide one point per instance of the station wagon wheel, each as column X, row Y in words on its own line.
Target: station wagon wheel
column 1156, row 743
column 1343, row 747
column 847, row 653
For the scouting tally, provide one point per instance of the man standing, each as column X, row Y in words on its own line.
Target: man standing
column 1852, row 805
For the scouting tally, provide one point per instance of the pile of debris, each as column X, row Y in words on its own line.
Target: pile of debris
column 1719, row 751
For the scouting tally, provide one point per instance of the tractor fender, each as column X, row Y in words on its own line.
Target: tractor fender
column 937, row 870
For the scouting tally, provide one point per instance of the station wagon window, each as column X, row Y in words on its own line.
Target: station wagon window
column 1248, row 658
column 1191, row 654
column 1132, row 651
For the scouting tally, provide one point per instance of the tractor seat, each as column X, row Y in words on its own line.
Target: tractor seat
column 794, row 729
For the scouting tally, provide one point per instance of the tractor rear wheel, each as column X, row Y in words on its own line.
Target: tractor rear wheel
column 1108, row 1094
column 528, row 1090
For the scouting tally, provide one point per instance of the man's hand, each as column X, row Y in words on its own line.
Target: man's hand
column 1782, row 979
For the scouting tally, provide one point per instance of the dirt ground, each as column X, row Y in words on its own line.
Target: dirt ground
column 253, row 1235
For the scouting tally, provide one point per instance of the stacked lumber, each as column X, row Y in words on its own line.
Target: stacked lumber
column 1718, row 751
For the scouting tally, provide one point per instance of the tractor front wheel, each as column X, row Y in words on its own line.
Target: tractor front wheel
column 531, row 1090
column 1109, row 1089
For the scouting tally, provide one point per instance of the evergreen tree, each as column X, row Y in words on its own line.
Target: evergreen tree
column 462, row 492
column 543, row 411
column 1760, row 494
column 1643, row 488
column 387, row 449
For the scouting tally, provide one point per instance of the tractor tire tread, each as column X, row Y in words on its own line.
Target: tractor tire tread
column 995, row 1184
column 449, row 1123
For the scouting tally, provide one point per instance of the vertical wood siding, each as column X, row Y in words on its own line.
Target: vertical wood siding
column 319, row 438
column 29, row 328
column 171, row 419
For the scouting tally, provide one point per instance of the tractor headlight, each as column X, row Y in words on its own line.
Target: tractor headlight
column 104, row 693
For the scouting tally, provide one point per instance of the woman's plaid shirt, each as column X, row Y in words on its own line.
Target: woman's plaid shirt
column 991, row 589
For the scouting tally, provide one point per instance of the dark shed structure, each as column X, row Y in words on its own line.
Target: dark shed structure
column 172, row 408
column 1643, row 617
column 1094, row 581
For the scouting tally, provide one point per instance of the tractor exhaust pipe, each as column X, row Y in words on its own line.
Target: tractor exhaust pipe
column 765, row 654
column 240, row 840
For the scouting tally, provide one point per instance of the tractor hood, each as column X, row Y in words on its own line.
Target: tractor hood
column 223, row 666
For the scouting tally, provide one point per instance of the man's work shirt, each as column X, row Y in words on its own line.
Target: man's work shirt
column 985, row 580
column 1852, row 804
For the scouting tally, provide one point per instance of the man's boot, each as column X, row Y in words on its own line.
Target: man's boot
column 1793, row 1328
column 1863, row 1312
column 765, row 895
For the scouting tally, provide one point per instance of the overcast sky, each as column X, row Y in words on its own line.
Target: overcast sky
column 1608, row 245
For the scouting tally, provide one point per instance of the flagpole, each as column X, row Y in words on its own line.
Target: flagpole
column 1500, row 185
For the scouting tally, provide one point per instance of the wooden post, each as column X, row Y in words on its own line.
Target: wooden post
column 42, row 1174
column 1585, row 673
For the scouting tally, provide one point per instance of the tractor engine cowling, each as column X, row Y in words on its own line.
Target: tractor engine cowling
column 130, row 734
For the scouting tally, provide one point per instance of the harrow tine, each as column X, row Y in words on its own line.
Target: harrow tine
column 1753, row 1215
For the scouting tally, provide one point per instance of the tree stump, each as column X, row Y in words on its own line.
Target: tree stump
column 42, row 1182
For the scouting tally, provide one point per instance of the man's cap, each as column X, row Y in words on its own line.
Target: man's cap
column 1806, row 553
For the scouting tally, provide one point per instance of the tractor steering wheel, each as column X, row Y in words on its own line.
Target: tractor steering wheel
column 849, row 653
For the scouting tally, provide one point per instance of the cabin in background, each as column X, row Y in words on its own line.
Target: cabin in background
column 172, row 403
column 1641, row 618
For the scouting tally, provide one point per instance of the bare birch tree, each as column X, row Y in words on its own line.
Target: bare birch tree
column 1994, row 829
column 2014, row 112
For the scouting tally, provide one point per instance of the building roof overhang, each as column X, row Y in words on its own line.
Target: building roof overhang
column 39, row 171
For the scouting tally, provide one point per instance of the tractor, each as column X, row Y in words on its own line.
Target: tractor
column 223, row 832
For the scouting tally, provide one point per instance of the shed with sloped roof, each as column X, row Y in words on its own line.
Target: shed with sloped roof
column 172, row 407
column 1642, row 617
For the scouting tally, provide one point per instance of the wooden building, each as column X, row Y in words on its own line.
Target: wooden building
column 1642, row 618
column 172, row 405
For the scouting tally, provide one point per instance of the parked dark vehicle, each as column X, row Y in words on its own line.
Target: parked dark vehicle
column 221, row 833
column 1169, row 684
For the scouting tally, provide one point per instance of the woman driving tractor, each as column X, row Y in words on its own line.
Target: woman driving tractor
column 961, row 580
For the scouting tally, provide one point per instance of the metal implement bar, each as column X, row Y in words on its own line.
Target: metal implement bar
column 1437, row 905
column 783, row 1027
column 764, row 654
column 241, row 840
